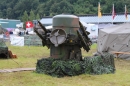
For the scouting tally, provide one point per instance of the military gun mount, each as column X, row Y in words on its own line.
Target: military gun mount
column 66, row 38
column 65, row 41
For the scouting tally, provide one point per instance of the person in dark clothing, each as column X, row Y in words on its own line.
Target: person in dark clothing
column 26, row 32
column 20, row 33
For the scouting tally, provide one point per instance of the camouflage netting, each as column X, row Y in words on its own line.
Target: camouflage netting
column 3, row 49
column 89, row 65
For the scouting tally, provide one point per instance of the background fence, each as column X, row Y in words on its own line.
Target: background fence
column 32, row 40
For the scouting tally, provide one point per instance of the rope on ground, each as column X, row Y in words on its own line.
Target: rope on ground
column 16, row 70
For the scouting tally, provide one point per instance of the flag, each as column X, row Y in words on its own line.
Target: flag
column 126, row 12
column 99, row 10
column 113, row 12
column 29, row 24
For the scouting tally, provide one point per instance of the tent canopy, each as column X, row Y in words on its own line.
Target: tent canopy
column 115, row 38
column 122, row 28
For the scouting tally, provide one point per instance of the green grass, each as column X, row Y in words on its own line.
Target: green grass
column 91, row 51
column 27, row 57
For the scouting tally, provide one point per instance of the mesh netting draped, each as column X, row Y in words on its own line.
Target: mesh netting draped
column 89, row 65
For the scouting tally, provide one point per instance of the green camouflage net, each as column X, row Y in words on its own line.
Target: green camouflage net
column 3, row 49
column 89, row 65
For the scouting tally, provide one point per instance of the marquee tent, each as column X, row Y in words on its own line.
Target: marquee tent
column 115, row 38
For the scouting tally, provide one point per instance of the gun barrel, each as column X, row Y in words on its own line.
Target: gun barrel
column 43, row 39
column 83, row 30
column 44, row 29
column 85, row 45
column 38, row 34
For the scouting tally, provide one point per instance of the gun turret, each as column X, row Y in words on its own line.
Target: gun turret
column 66, row 38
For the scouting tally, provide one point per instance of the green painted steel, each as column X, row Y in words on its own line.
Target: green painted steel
column 66, row 38
column 66, row 21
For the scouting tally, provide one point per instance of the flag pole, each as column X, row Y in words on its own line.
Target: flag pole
column 126, row 16
column 113, row 13
column 112, row 21
column 125, row 13
column 98, row 20
column 99, row 12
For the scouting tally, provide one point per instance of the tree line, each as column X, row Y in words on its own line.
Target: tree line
column 36, row 9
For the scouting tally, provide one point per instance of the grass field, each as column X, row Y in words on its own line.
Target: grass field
column 28, row 56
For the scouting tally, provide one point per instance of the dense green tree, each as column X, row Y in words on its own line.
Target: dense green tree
column 27, row 5
column 25, row 18
column 1, row 14
column 37, row 17
column 61, row 7
column 14, row 9
column 31, row 16
column 10, row 13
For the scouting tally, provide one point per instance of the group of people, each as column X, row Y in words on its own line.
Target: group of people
column 20, row 33
column 23, row 33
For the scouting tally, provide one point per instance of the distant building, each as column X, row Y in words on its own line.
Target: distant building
column 9, row 23
column 93, row 19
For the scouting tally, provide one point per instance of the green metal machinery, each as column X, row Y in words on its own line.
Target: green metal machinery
column 66, row 38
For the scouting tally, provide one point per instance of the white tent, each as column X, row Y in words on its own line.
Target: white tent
column 115, row 38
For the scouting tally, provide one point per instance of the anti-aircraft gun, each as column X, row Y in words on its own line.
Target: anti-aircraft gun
column 66, row 38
